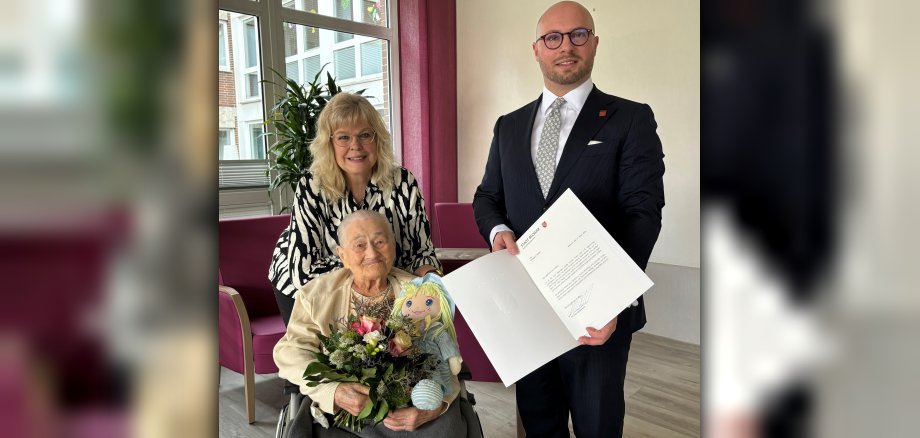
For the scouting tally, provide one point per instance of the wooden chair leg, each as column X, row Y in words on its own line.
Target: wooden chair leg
column 250, row 393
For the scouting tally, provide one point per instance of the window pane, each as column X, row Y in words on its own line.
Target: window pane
column 290, row 40
column 311, row 67
column 292, row 71
column 371, row 12
column 252, row 44
column 371, row 57
column 221, row 44
column 342, row 36
column 345, row 63
column 343, row 9
column 258, row 142
column 252, row 85
column 311, row 38
column 240, row 105
column 226, row 149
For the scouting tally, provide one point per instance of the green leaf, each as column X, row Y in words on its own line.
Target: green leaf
column 382, row 411
column 368, row 372
column 387, row 372
column 315, row 368
column 368, row 408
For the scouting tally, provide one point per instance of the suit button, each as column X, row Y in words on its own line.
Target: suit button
column 544, row 208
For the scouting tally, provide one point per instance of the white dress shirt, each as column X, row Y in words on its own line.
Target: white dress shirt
column 574, row 101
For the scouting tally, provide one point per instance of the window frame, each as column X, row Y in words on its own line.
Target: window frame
column 226, row 48
column 270, row 18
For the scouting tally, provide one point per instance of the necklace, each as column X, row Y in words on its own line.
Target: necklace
column 379, row 305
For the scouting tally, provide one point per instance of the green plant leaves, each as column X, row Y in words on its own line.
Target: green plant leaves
column 293, row 119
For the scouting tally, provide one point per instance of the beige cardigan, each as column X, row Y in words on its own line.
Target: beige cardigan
column 317, row 305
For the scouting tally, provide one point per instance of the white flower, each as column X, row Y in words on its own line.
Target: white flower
column 372, row 338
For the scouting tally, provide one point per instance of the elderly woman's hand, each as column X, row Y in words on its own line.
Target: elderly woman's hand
column 409, row 419
column 351, row 397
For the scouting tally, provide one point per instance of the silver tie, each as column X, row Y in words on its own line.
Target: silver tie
column 549, row 144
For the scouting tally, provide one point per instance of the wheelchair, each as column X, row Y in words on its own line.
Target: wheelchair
column 297, row 400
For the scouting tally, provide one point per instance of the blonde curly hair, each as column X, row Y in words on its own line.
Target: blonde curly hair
column 347, row 109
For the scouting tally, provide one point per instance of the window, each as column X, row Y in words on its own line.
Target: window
column 372, row 12
column 311, row 38
column 251, row 84
column 223, row 57
column 371, row 58
column 311, row 67
column 226, row 150
column 257, row 140
column 345, row 63
column 354, row 48
column 252, row 45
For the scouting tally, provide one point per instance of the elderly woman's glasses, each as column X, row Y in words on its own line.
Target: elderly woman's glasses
column 344, row 140
column 578, row 37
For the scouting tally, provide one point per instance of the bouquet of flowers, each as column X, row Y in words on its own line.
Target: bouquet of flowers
column 374, row 349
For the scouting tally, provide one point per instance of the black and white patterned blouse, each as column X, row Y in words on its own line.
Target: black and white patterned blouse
column 306, row 248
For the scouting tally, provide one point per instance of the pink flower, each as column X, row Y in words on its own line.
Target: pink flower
column 400, row 344
column 365, row 325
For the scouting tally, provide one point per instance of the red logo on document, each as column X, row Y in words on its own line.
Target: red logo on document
column 544, row 224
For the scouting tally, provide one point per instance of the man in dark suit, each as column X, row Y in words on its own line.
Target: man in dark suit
column 606, row 150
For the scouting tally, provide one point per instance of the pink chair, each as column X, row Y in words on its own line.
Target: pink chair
column 249, row 321
column 457, row 229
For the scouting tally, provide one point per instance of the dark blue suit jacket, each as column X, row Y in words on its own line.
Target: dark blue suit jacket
column 619, row 180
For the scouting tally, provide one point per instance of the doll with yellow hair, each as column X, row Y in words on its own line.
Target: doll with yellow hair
column 426, row 301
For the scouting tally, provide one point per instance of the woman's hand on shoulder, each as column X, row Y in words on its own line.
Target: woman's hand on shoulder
column 409, row 419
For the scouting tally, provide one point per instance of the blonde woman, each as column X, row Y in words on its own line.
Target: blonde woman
column 353, row 169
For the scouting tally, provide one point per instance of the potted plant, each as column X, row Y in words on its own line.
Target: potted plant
column 294, row 119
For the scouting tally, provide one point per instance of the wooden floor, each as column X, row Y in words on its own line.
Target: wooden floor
column 662, row 396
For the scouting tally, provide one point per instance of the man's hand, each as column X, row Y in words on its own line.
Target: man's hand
column 505, row 240
column 599, row 337
column 351, row 397
column 409, row 419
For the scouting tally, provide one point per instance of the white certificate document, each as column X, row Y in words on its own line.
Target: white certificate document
column 528, row 309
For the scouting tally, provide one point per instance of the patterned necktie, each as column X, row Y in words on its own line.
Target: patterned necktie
column 549, row 144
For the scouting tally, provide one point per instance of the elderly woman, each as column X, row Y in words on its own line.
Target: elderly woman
column 367, row 250
column 353, row 169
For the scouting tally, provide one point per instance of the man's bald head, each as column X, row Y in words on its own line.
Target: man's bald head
column 563, row 10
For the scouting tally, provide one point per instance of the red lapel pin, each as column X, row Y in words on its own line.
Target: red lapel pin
column 602, row 113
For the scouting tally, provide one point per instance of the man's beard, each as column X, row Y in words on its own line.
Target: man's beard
column 572, row 77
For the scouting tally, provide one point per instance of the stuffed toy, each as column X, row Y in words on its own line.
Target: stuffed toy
column 425, row 301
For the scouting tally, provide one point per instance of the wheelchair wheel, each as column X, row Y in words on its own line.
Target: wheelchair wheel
column 282, row 423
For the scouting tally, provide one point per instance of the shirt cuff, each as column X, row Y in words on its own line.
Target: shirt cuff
column 496, row 230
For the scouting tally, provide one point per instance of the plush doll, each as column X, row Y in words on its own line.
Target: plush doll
column 425, row 301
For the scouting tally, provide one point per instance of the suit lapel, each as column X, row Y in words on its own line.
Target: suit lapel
column 594, row 114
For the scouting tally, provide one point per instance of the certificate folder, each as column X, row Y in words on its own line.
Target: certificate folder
column 528, row 309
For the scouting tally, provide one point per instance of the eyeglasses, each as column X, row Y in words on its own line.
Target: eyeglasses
column 578, row 37
column 344, row 140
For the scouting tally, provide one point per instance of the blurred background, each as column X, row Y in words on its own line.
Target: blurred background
column 810, row 312
column 107, row 212
column 108, row 203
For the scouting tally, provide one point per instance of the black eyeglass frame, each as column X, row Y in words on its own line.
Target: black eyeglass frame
column 562, row 37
